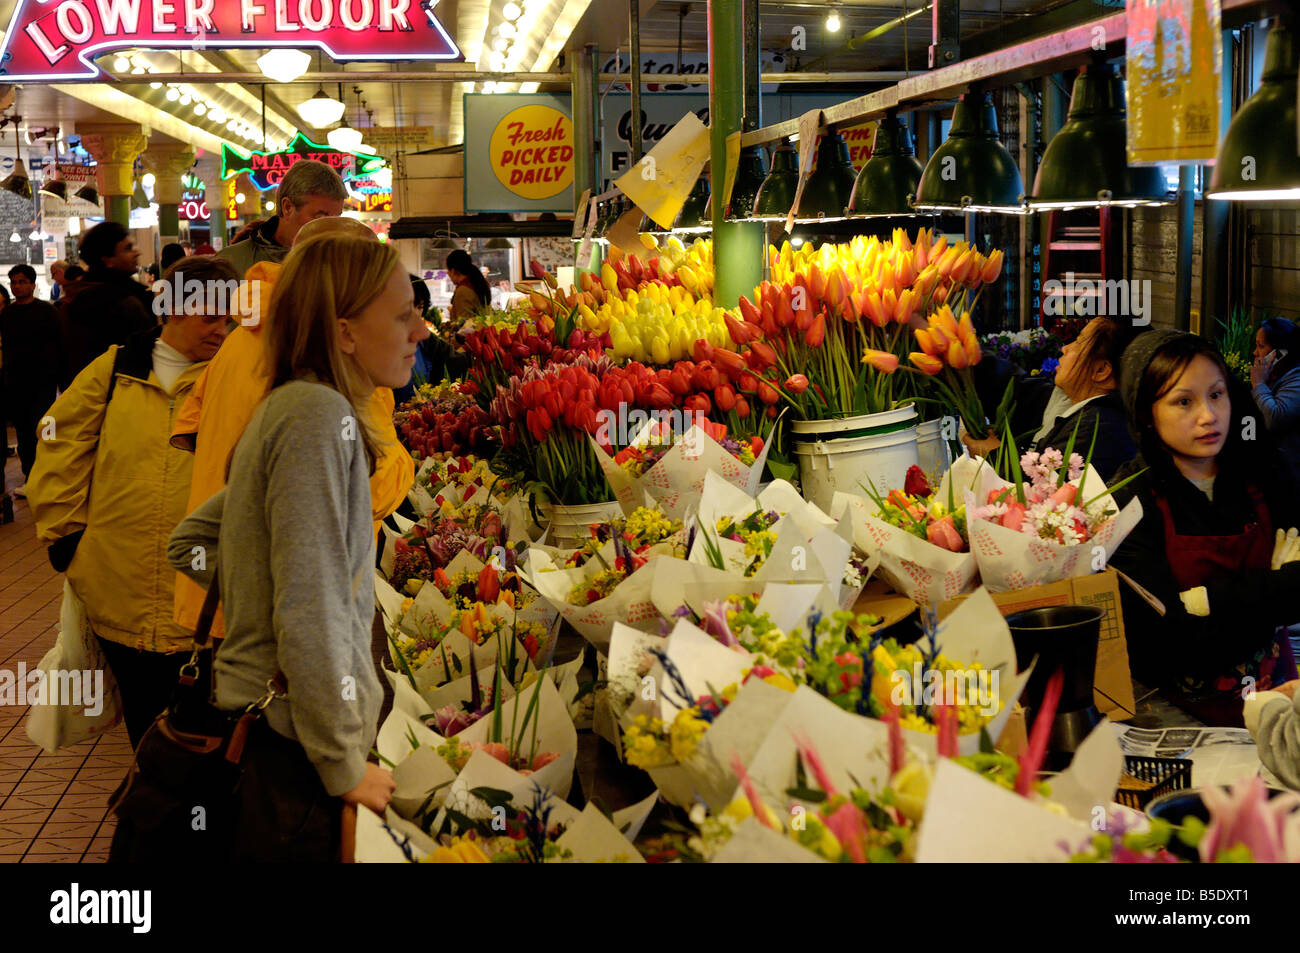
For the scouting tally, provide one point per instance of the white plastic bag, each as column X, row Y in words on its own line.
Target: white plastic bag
column 99, row 707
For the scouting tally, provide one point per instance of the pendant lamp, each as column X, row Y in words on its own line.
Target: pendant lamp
column 692, row 216
column 283, row 66
column 321, row 110
column 830, row 187
column 1086, row 163
column 888, row 181
column 972, row 171
column 18, row 182
column 750, row 174
column 1257, row 160
column 776, row 194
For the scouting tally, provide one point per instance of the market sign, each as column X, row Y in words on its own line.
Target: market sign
column 266, row 169
column 518, row 153
column 1173, row 63
column 193, row 209
column 230, row 189
column 59, row 39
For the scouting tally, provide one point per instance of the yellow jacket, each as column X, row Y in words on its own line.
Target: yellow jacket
column 108, row 469
column 220, row 407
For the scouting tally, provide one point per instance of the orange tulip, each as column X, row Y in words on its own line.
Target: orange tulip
column 875, row 310
column 926, row 281
column 816, row 332
column 940, row 294
column 921, row 257
column 966, row 329
column 956, row 355
column 961, row 268
column 946, row 321
column 817, row 282
column 937, row 247
column 947, row 260
column 856, row 306
column 973, row 352
column 889, row 304
column 925, row 338
column 906, row 304
column 925, row 363
column 992, row 267
column 882, row 361
column 905, row 271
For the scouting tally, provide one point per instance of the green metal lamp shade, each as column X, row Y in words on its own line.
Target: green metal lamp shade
column 749, row 179
column 776, row 195
column 692, row 216
column 1086, row 163
column 1257, row 160
column 888, row 181
column 829, row 189
column 972, row 170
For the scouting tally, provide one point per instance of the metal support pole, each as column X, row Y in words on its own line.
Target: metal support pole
column 945, row 32
column 753, row 68
column 1183, row 256
column 737, row 246
column 586, row 155
column 1214, row 223
column 634, row 79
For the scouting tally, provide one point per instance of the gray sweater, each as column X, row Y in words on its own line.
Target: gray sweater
column 1274, row 720
column 294, row 533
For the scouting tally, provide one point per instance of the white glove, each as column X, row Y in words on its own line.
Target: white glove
column 1286, row 548
column 1196, row 601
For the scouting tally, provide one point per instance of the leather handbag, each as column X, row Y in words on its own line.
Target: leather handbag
column 179, row 798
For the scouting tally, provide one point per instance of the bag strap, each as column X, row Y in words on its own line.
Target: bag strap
column 276, row 686
column 209, row 611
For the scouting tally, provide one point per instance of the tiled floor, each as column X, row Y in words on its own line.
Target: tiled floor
column 52, row 807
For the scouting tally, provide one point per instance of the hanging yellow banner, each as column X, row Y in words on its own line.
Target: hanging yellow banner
column 1174, row 59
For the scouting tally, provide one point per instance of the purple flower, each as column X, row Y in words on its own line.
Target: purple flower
column 715, row 623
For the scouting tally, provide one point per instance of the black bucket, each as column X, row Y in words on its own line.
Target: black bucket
column 1061, row 637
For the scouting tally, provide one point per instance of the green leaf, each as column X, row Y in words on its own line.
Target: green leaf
column 493, row 797
column 783, row 470
column 986, row 741
column 804, row 793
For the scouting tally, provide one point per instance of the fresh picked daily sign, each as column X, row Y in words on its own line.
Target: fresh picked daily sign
column 59, row 39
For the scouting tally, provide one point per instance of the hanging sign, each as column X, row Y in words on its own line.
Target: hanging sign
column 58, row 39
column 231, row 191
column 518, row 153
column 56, row 212
column 193, row 210
column 266, row 169
column 1174, row 60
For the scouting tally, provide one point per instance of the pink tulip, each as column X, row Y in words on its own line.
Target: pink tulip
column 1066, row 494
column 1244, row 816
column 1014, row 517
column 850, row 829
column 543, row 759
column 497, row 750
column 943, row 533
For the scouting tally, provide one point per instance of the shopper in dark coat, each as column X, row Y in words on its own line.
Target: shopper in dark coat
column 1210, row 504
column 111, row 305
column 29, row 334
column 1275, row 383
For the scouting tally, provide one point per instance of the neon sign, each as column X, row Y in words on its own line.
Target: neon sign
column 58, row 39
column 266, row 169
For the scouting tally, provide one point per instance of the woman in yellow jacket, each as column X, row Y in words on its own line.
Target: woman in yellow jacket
column 222, row 403
column 108, row 488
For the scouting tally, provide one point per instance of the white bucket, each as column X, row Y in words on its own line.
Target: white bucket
column 880, row 448
column 571, row 525
column 935, row 452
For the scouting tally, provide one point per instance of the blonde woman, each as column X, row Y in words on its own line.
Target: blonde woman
column 291, row 537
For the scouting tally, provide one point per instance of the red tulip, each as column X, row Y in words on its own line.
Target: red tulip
column 702, row 350
column 489, row 585
column 742, row 408
column 763, row 353
column 767, row 393
column 725, row 398
column 732, row 364
column 796, row 383
column 816, row 332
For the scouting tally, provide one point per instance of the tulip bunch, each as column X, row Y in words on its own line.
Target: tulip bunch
column 915, row 509
column 949, row 349
column 838, row 315
column 441, row 419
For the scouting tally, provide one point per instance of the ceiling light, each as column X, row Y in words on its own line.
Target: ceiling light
column 121, row 64
column 383, row 178
column 365, row 147
column 833, row 22
column 200, row 109
column 512, row 11
column 149, row 179
column 500, row 44
column 284, row 66
column 155, row 85
column 776, row 195
column 972, row 171
column 34, row 235
column 691, row 218
column 216, row 114
column 56, row 188
column 240, row 198
column 888, row 181
column 1257, row 159
column 88, row 193
column 270, row 206
column 18, row 182
column 232, row 125
column 172, row 94
column 344, row 138
column 321, row 110
column 185, row 99
column 14, row 236
column 829, row 189
column 137, row 71
column 507, row 30
column 489, row 87
column 749, row 179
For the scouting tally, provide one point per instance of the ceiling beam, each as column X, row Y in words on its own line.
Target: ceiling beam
column 478, row 76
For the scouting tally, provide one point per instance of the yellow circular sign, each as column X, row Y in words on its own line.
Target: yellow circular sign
column 532, row 151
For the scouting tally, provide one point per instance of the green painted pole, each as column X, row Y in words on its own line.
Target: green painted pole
column 737, row 246
column 586, row 158
column 169, row 222
column 117, row 208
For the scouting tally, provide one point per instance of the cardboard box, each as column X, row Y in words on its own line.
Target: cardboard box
column 1113, row 685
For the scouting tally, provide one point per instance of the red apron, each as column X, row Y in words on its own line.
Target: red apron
column 1197, row 560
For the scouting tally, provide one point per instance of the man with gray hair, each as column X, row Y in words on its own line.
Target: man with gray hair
column 309, row 190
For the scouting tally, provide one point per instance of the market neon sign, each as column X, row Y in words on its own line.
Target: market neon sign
column 58, row 39
column 266, row 169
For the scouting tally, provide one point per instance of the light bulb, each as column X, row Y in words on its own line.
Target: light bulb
column 270, row 206
column 489, row 87
column 137, row 71
column 507, row 30
column 35, row 235
column 15, row 237
column 172, row 94
column 120, row 65
column 185, row 99
column 284, row 66
column 500, row 44
column 155, row 85
column 240, row 198
column 232, row 125
column 148, row 180
column 200, row 109
column 512, row 11
column 833, row 22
